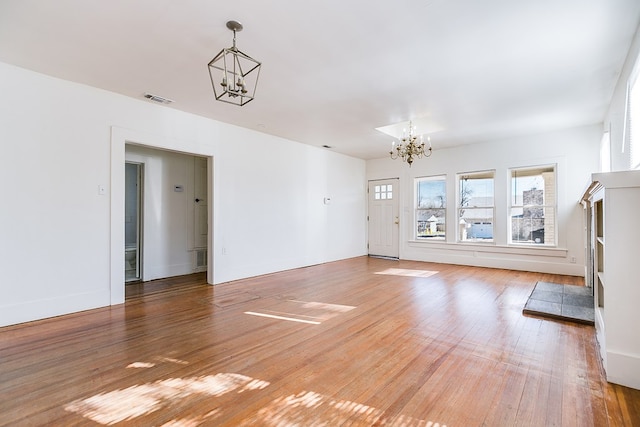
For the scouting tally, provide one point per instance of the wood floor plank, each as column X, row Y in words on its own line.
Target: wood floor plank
column 363, row 341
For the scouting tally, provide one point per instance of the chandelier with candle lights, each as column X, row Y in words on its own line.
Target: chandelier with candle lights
column 409, row 147
column 234, row 74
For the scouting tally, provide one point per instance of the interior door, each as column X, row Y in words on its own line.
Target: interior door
column 200, row 222
column 200, row 218
column 133, row 222
column 384, row 219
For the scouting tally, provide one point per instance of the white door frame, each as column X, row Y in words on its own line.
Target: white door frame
column 119, row 138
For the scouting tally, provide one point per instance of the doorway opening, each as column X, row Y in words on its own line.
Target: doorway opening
column 120, row 139
column 165, row 214
column 133, row 222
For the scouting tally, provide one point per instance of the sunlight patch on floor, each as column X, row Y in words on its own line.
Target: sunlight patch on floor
column 171, row 360
column 141, row 399
column 280, row 317
column 306, row 408
column 313, row 409
column 310, row 312
column 141, row 365
column 407, row 272
column 160, row 359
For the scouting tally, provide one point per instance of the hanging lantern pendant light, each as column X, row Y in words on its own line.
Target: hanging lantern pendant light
column 234, row 74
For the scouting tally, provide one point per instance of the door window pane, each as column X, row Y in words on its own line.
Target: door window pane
column 383, row 192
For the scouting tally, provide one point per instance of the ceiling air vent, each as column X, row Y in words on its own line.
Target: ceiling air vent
column 157, row 98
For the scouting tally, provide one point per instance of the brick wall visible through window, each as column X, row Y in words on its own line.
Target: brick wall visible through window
column 533, row 206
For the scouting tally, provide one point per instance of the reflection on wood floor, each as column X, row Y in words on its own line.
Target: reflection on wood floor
column 362, row 341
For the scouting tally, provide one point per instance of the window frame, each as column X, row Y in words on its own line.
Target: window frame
column 633, row 116
column 553, row 205
column 416, row 205
column 463, row 227
column 605, row 151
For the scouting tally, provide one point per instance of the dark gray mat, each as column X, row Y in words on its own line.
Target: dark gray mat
column 565, row 302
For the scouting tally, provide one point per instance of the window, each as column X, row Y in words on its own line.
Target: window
column 633, row 94
column 476, row 206
column 383, row 192
column 605, row 152
column 533, row 206
column 431, row 202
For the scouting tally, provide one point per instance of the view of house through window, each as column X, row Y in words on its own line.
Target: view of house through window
column 533, row 205
column 431, row 203
column 476, row 206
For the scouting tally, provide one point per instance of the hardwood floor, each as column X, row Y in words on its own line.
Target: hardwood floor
column 358, row 342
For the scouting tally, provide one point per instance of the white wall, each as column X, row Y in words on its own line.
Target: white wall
column 574, row 151
column 615, row 118
column 273, row 211
column 62, row 243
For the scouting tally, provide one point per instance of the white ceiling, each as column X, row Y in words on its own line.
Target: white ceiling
column 464, row 71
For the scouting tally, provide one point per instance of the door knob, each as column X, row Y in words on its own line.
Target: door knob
column 197, row 200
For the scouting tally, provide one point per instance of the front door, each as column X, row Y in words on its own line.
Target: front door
column 384, row 218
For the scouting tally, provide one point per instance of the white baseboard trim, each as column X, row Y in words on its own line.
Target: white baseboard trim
column 623, row 369
column 51, row 307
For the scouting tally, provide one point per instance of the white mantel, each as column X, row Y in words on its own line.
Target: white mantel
column 613, row 200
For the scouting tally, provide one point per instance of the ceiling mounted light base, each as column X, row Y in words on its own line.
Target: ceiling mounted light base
column 234, row 74
column 234, row 26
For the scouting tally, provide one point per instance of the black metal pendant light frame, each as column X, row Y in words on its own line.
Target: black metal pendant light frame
column 234, row 74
